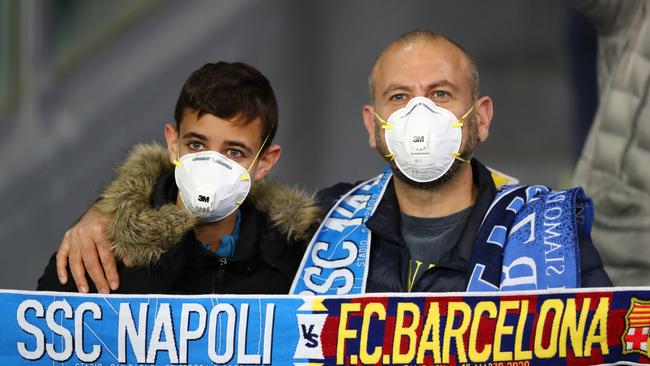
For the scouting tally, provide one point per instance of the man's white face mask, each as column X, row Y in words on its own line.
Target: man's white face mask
column 423, row 139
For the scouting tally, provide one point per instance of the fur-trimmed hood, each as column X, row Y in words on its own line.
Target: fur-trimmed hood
column 141, row 233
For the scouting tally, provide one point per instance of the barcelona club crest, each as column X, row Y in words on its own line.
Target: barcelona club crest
column 637, row 324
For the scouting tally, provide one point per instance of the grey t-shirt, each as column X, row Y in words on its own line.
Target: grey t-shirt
column 428, row 239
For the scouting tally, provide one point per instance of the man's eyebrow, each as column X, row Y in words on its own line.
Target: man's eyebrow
column 393, row 87
column 441, row 83
column 195, row 135
column 231, row 143
column 436, row 84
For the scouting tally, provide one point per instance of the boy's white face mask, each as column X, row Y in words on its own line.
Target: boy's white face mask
column 211, row 185
column 423, row 139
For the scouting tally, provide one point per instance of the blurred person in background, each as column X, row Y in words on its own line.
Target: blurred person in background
column 613, row 167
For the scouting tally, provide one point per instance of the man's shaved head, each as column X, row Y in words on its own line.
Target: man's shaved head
column 417, row 36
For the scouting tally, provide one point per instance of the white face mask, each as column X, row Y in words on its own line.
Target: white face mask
column 211, row 185
column 423, row 139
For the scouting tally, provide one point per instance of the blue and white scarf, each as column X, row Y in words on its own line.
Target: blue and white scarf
column 526, row 229
column 336, row 260
column 528, row 240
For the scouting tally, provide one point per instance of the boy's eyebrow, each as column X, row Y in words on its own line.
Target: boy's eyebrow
column 231, row 143
column 195, row 135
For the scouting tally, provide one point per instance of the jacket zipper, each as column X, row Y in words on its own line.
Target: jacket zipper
column 217, row 277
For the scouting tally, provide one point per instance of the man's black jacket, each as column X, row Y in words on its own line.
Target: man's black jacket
column 389, row 256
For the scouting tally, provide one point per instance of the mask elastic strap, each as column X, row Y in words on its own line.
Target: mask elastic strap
column 177, row 161
column 457, row 156
column 384, row 125
column 247, row 175
column 459, row 123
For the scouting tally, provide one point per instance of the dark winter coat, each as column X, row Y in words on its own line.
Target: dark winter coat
column 389, row 256
column 155, row 235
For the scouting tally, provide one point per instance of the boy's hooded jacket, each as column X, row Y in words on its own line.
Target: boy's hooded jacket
column 154, row 234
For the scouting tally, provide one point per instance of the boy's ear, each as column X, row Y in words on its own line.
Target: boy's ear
column 171, row 135
column 267, row 161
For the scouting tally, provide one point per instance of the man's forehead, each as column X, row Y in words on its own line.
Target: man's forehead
column 423, row 61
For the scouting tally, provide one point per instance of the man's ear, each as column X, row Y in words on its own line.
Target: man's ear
column 171, row 135
column 484, row 111
column 267, row 161
column 369, row 121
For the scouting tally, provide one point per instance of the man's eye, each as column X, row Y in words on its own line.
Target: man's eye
column 440, row 94
column 196, row 146
column 398, row 97
column 231, row 153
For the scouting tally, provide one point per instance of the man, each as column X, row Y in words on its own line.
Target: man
column 429, row 219
column 426, row 226
column 190, row 228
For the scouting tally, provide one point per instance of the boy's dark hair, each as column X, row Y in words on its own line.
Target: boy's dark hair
column 230, row 90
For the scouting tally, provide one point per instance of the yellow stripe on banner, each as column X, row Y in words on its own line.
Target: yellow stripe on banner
column 312, row 304
column 317, row 304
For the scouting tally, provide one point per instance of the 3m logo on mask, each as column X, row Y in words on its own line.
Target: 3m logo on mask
column 422, row 139
column 419, row 145
column 203, row 198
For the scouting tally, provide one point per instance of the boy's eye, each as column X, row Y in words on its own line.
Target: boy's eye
column 232, row 153
column 196, row 146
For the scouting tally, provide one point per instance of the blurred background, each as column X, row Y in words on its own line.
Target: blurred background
column 81, row 81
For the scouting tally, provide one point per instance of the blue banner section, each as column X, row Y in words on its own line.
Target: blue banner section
column 529, row 240
column 578, row 327
column 336, row 260
column 47, row 327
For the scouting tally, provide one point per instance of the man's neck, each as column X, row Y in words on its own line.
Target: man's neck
column 454, row 196
column 211, row 232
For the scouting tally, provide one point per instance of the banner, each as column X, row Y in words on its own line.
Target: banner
column 577, row 327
